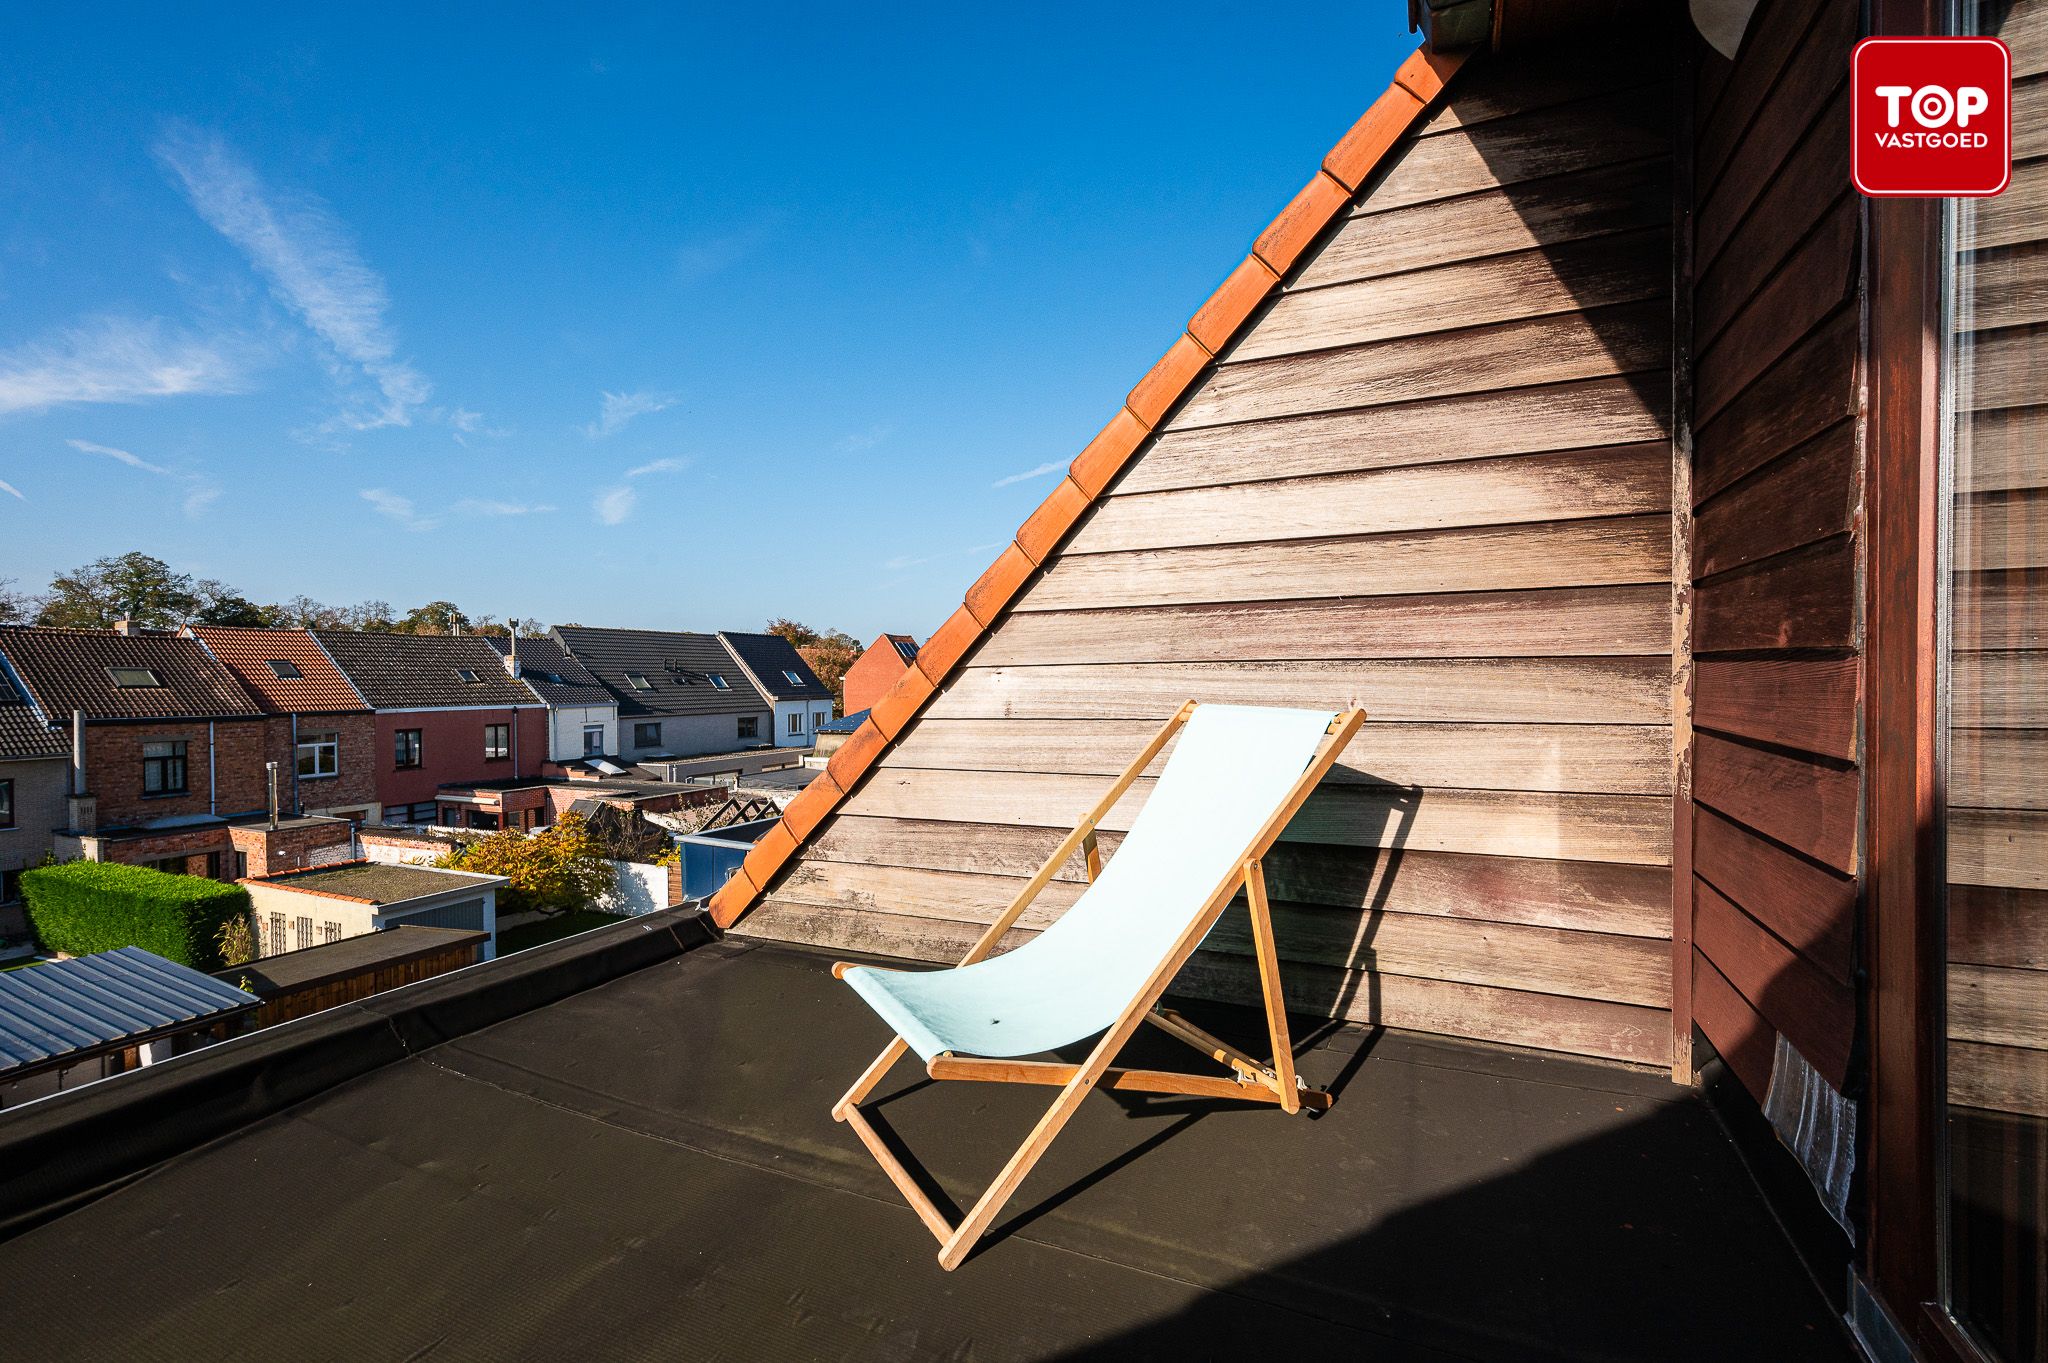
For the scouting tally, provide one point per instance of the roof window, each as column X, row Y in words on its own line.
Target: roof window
column 137, row 677
column 719, row 682
column 469, row 675
column 638, row 681
column 284, row 667
column 794, row 679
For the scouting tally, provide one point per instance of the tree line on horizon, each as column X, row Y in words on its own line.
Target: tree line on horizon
column 147, row 591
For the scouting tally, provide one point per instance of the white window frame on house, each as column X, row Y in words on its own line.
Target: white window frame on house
column 638, row 681
column 497, row 742
column 319, row 755
column 593, row 740
column 718, row 681
column 794, row 679
column 796, row 722
column 160, row 760
column 469, row 676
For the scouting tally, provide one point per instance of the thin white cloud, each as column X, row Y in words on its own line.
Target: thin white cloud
column 616, row 409
column 704, row 257
column 114, row 359
column 123, row 456
column 200, row 491
column 861, row 441
column 12, row 490
column 902, row 561
column 658, row 466
column 397, row 508
column 1028, row 474
column 306, row 255
column 473, row 507
column 615, row 505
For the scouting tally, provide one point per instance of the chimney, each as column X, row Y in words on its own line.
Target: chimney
column 81, row 810
column 124, row 626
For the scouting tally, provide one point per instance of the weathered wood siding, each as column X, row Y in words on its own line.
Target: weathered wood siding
column 1777, row 487
column 1998, row 722
column 1433, row 479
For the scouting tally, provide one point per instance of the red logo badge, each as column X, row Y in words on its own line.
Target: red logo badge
column 1930, row 117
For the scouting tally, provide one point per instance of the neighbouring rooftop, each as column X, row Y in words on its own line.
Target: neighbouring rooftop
column 64, row 1011
column 647, row 1168
column 375, row 882
column 287, row 971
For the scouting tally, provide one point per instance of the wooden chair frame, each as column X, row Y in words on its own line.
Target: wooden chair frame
column 1270, row 1083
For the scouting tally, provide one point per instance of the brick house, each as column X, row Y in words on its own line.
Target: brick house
column 35, row 777
column 875, row 671
column 583, row 717
column 446, row 713
column 318, row 729
column 168, row 751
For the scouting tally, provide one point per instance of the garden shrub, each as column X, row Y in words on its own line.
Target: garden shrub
column 81, row 907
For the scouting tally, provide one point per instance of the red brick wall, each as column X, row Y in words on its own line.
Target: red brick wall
column 870, row 677
column 271, row 851
column 357, row 782
column 453, row 749
column 192, row 845
column 113, row 769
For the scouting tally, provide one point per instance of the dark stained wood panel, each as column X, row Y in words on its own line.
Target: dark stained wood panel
column 1799, row 600
column 1633, row 690
column 1810, row 389
column 1988, row 925
column 1556, row 623
column 1816, row 1014
column 1738, row 1032
column 1770, row 46
column 1584, row 414
column 1803, row 497
column 1804, row 703
column 1819, row 277
column 1810, row 907
column 1802, row 802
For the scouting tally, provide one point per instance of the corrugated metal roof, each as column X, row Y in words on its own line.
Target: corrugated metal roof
column 63, row 1007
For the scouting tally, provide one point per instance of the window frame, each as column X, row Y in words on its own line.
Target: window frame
column 596, row 732
column 718, row 681
column 640, row 729
column 162, row 765
column 796, row 722
column 319, row 743
column 399, row 747
column 497, row 742
column 638, row 681
column 750, row 726
column 285, row 669
column 6, row 802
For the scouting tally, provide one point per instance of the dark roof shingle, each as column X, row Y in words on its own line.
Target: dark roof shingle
column 73, row 669
column 775, row 665
column 678, row 669
column 555, row 676
column 319, row 687
column 405, row 671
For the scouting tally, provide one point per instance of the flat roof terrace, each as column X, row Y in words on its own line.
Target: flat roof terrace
column 649, row 1168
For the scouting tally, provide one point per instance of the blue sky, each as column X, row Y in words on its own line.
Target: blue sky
column 678, row 317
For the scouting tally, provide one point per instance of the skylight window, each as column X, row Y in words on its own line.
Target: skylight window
column 638, row 681
column 794, row 679
column 718, row 681
column 469, row 675
column 138, row 677
column 285, row 667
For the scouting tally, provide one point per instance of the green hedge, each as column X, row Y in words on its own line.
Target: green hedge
column 85, row 906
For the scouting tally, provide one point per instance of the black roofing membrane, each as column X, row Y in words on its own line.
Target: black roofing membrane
column 649, row 1169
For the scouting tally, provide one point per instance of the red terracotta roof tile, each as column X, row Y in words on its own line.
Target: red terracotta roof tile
column 765, row 858
column 1235, row 299
column 994, row 589
column 1107, row 453
column 811, row 805
column 1048, row 525
column 1163, row 385
column 318, row 688
column 1300, row 223
column 734, row 898
column 1360, row 150
column 948, row 644
column 856, row 755
column 900, row 704
column 1426, row 72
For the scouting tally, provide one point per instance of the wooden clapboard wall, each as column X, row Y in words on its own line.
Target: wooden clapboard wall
column 1432, row 479
column 1777, row 491
column 1998, row 734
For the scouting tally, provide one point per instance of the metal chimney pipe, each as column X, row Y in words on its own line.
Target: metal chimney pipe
column 78, row 752
column 271, row 768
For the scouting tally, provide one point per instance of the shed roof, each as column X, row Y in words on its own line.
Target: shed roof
column 293, row 970
column 553, row 672
column 92, row 1003
column 84, row 669
column 407, row 671
column 663, row 672
column 285, row 669
column 845, row 724
column 775, row 666
column 376, row 882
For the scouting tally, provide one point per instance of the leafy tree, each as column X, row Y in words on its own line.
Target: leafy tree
column 436, row 617
column 800, row 635
column 220, row 604
column 827, row 652
column 15, row 607
column 559, row 869
column 133, row 586
column 372, row 617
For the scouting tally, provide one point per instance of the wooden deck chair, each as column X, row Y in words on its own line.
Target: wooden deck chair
column 1236, row 778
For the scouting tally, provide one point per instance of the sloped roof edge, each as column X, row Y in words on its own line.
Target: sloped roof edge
column 1416, row 84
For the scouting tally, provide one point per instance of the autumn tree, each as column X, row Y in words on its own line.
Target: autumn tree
column 559, row 869
column 133, row 586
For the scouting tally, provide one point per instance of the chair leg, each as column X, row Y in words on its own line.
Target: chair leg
column 870, row 1077
column 1269, row 984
